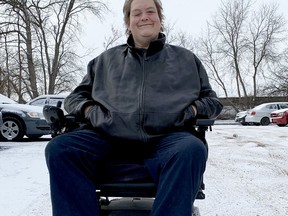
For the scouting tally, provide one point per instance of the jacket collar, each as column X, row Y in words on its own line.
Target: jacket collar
column 155, row 46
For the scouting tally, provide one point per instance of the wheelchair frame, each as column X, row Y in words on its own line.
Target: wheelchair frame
column 118, row 198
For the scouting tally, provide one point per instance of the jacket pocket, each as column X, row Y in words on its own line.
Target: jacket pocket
column 97, row 115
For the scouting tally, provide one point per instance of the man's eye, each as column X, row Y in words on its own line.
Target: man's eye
column 136, row 14
column 150, row 12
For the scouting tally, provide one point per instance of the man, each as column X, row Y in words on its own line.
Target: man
column 139, row 100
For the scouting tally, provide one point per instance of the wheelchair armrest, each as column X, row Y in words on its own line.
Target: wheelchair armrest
column 58, row 122
column 204, row 122
column 203, row 125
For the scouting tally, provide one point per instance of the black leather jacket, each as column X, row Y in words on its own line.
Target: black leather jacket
column 140, row 94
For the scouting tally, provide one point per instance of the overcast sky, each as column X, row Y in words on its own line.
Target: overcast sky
column 188, row 15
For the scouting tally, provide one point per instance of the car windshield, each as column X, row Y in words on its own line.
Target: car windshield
column 272, row 106
column 283, row 106
column 6, row 100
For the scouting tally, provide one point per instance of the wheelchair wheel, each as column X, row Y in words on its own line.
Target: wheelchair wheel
column 196, row 211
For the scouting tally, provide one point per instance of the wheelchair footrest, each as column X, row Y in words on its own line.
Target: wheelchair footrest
column 133, row 190
column 200, row 195
column 128, row 190
column 129, row 204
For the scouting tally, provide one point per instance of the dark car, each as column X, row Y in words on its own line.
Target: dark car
column 240, row 117
column 19, row 120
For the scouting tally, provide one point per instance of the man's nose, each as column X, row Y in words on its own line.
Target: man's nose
column 144, row 16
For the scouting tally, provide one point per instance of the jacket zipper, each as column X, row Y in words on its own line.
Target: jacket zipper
column 141, row 101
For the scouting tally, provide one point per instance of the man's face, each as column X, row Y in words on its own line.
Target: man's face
column 145, row 24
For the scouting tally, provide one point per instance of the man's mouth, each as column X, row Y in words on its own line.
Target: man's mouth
column 144, row 25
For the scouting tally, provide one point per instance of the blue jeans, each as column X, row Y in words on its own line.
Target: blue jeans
column 78, row 161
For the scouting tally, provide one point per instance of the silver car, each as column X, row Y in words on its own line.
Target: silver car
column 260, row 115
column 240, row 117
column 19, row 120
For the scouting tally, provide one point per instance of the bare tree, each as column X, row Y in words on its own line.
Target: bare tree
column 178, row 37
column 215, row 63
column 278, row 81
column 266, row 30
column 213, row 60
column 169, row 30
column 229, row 24
column 18, row 23
column 114, row 39
column 3, row 80
column 240, row 40
column 48, row 30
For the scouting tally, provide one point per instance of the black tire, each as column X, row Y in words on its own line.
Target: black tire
column 265, row 121
column 281, row 125
column 34, row 137
column 12, row 129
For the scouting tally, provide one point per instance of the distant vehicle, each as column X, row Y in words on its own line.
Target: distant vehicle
column 49, row 99
column 279, row 117
column 240, row 117
column 227, row 113
column 18, row 120
column 6, row 100
column 260, row 115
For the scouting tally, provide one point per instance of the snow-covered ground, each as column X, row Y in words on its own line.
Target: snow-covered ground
column 247, row 174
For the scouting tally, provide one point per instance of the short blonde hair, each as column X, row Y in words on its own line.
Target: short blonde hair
column 127, row 12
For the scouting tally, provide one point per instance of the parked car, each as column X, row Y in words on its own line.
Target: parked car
column 49, row 99
column 240, row 117
column 260, row 115
column 227, row 113
column 18, row 120
column 279, row 117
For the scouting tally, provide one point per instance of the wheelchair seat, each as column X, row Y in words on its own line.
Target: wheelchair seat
column 123, row 197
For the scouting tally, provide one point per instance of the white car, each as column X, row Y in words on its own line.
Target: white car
column 49, row 99
column 260, row 115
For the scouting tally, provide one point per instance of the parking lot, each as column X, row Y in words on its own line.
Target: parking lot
column 246, row 174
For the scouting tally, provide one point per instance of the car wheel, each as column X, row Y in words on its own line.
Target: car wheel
column 244, row 123
column 12, row 129
column 265, row 121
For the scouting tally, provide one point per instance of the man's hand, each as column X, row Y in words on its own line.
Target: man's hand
column 86, row 110
column 195, row 109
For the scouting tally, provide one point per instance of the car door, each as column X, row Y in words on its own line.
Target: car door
column 39, row 102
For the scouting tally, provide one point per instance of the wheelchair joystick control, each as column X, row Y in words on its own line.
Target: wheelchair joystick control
column 59, row 104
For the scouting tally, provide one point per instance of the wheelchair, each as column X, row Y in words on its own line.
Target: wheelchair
column 120, row 198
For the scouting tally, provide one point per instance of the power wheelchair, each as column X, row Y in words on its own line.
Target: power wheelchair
column 120, row 198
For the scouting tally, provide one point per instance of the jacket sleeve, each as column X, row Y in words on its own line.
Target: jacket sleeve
column 81, row 96
column 208, row 104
